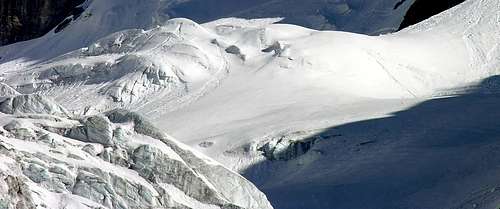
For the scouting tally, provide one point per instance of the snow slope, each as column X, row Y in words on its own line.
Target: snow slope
column 261, row 98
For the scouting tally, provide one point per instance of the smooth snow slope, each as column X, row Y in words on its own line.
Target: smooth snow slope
column 231, row 86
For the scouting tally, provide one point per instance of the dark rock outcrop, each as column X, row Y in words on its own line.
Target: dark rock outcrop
column 423, row 9
column 22, row 20
column 290, row 146
column 284, row 149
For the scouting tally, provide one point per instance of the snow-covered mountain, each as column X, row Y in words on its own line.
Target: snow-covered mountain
column 24, row 20
column 317, row 119
column 99, row 19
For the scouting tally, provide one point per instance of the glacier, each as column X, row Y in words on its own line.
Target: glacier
column 315, row 119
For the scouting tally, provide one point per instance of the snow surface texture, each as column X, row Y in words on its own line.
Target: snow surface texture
column 116, row 160
column 279, row 103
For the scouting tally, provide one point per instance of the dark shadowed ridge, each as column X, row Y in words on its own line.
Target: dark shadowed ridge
column 22, row 20
column 424, row 9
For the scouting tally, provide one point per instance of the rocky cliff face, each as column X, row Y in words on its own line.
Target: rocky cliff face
column 22, row 20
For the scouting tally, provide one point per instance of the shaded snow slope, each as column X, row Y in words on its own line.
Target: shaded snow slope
column 441, row 153
column 368, row 17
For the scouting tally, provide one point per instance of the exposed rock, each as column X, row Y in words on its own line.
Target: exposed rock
column 26, row 19
column 236, row 51
column 279, row 48
column 285, row 149
column 423, row 9
column 292, row 145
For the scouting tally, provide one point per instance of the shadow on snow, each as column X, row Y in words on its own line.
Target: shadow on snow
column 441, row 153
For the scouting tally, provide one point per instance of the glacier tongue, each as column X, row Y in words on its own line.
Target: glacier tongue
column 115, row 160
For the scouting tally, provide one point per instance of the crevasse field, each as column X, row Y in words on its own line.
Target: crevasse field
column 313, row 119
